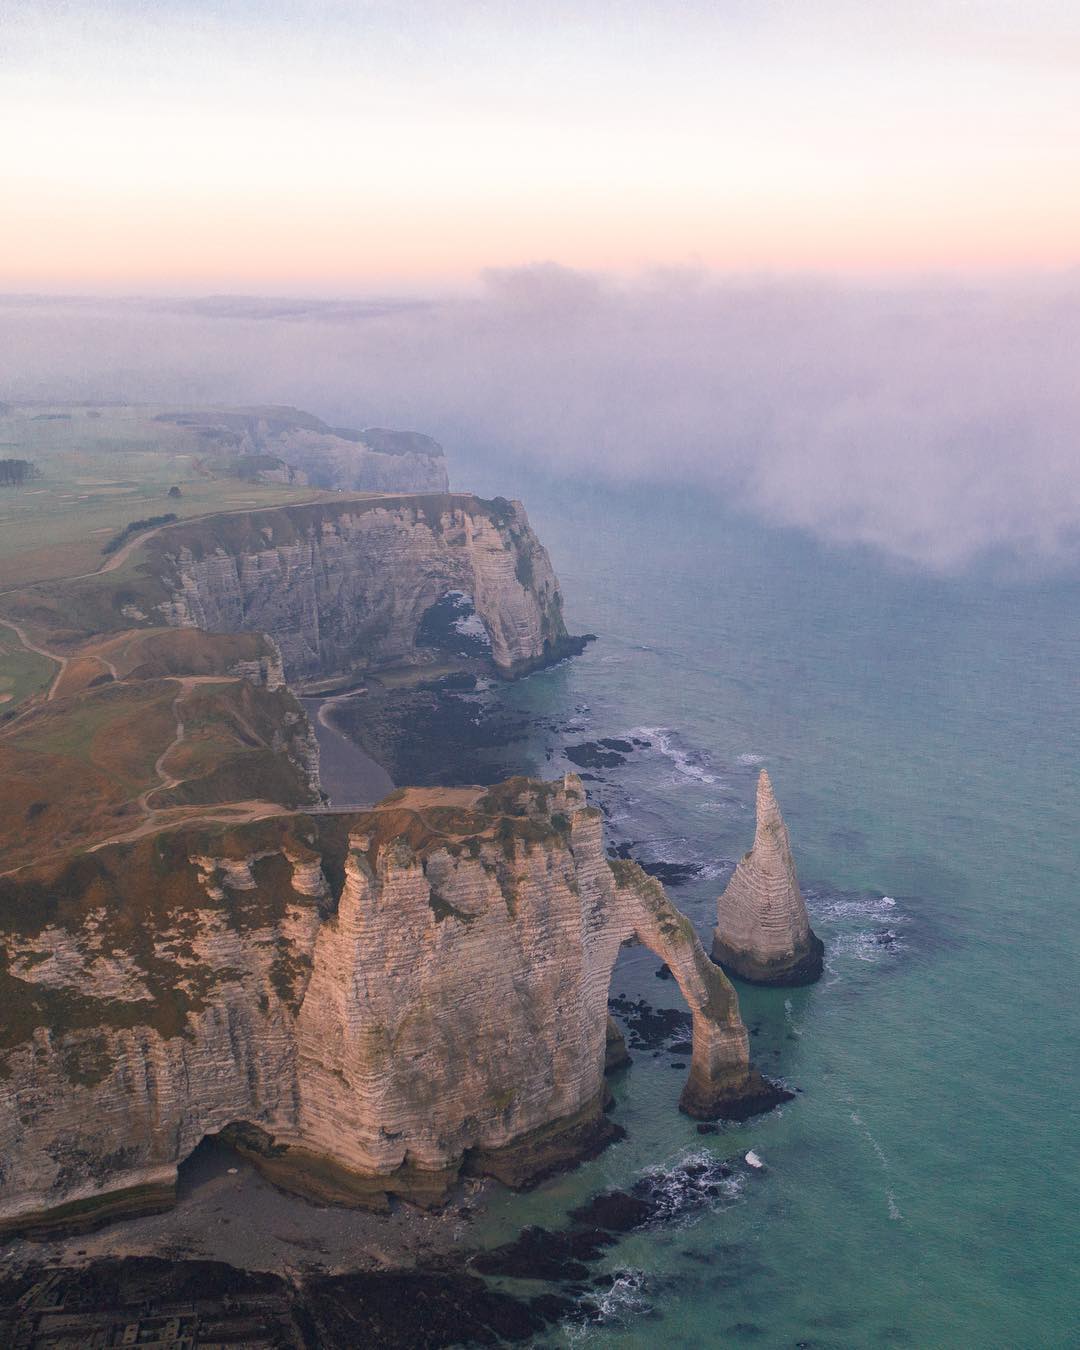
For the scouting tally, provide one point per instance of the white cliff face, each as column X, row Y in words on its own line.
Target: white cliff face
column 345, row 587
column 367, row 461
column 449, row 1010
column 763, row 931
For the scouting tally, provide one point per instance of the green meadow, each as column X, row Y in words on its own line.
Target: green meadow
column 99, row 469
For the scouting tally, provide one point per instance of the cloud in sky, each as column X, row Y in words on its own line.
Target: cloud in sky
column 932, row 423
column 319, row 145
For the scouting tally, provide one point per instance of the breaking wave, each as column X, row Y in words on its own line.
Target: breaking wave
column 687, row 762
column 681, row 1191
column 624, row 1301
column 863, row 928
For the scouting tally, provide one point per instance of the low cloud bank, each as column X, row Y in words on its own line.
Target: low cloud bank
column 935, row 423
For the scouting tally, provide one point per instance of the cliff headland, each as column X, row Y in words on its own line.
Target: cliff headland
column 194, row 945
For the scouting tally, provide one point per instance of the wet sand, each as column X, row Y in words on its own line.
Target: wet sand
column 349, row 775
column 225, row 1211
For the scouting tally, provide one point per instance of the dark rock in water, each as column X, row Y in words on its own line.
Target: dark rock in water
column 641, row 744
column 664, row 973
column 691, row 1185
column 199, row 1302
column 651, row 1028
column 616, row 1211
column 671, row 874
column 460, row 682
column 667, row 873
column 592, row 755
column 682, row 1048
column 708, row 1127
column 677, row 1064
column 401, row 1310
column 611, row 743
column 539, row 1254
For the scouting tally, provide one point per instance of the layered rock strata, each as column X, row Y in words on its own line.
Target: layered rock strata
column 281, row 444
column 374, row 460
column 346, row 587
column 763, row 932
column 368, row 1003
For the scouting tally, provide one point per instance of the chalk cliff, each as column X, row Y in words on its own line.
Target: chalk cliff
column 288, row 445
column 763, row 931
column 345, row 586
column 368, row 1003
column 374, row 460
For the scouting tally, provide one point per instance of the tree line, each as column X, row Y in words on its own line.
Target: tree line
column 16, row 472
column 134, row 526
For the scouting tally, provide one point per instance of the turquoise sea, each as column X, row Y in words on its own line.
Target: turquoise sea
column 923, row 736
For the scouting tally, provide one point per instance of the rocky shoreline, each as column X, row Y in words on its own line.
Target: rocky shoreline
column 284, row 1267
column 435, row 1289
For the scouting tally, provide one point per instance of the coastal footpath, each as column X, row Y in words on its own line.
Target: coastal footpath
column 192, row 943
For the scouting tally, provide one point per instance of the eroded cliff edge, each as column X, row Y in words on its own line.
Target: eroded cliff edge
column 346, row 587
column 370, row 1003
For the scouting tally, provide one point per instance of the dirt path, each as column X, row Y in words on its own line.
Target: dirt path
column 61, row 661
column 165, row 780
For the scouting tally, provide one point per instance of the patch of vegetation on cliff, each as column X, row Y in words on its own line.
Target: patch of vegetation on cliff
column 519, row 796
column 289, row 973
column 444, row 909
column 87, row 1062
column 523, row 569
column 145, row 900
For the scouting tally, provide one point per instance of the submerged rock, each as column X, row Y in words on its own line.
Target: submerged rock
column 763, row 932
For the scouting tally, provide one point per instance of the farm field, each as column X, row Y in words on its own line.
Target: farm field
column 101, row 468
column 22, row 672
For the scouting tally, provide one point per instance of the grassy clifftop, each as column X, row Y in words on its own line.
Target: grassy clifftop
column 72, row 610
column 121, row 756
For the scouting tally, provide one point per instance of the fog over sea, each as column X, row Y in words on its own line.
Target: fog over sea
column 922, row 735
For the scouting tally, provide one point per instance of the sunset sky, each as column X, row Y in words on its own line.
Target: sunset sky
column 292, row 146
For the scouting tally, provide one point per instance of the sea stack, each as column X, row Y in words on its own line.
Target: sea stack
column 763, row 932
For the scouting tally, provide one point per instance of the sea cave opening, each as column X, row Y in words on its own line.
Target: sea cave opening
column 452, row 627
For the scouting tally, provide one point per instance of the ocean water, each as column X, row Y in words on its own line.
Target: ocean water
column 923, row 736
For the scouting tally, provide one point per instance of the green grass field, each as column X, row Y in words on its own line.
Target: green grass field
column 101, row 468
column 22, row 672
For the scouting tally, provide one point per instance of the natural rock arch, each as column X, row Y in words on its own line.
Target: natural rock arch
column 722, row 1082
column 367, row 1003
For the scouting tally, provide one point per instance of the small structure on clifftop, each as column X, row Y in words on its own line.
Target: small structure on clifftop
column 763, row 932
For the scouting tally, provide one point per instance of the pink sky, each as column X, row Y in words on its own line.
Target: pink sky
column 340, row 148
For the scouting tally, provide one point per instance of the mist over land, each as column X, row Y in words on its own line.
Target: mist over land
column 936, row 422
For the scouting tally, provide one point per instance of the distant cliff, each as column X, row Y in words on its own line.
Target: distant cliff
column 368, row 1003
column 375, row 460
column 344, row 586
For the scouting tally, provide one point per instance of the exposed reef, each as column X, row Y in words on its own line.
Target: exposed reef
column 366, row 1003
column 763, row 932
